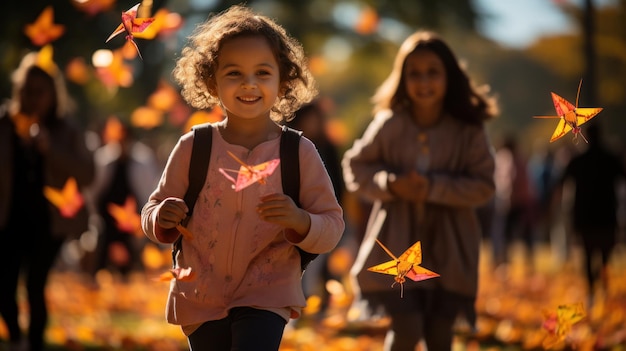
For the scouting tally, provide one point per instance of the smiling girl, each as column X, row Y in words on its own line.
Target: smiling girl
column 243, row 251
column 426, row 164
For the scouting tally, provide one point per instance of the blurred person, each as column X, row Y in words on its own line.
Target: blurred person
column 595, row 175
column 514, row 206
column 426, row 163
column 41, row 147
column 542, row 169
column 311, row 120
column 126, row 169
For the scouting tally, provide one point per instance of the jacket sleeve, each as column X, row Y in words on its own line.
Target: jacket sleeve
column 173, row 183
column 317, row 197
column 474, row 185
column 363, row 169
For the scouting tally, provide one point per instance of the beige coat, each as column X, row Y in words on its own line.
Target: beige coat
column 460, row 170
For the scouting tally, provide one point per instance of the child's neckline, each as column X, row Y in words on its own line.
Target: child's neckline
column 219, row 127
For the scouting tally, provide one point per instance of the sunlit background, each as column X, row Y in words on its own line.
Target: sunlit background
column 523, row 49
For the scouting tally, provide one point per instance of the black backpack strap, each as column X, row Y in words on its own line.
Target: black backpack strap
column 199, row 164
column 198, row 168
column 290, row 162
column 290, row 174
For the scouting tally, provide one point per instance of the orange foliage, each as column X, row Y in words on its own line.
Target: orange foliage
column 44, row 30
column 68, row 200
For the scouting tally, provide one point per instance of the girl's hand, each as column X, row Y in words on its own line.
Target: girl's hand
column 280, row 209
column 171, row 212
column 410, row 187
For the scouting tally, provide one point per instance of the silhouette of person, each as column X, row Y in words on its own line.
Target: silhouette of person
column 40, row 147
column 125, row 167
column 515, row 200
column 595, row 174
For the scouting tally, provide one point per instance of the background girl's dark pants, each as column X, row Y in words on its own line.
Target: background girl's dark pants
column 245, row 329
column 31, row 254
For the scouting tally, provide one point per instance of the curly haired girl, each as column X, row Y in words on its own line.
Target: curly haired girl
column 247, row 268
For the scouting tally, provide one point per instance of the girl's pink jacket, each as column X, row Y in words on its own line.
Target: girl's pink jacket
column 238, row 259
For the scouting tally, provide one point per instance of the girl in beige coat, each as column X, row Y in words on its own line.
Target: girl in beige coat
column 426, row 164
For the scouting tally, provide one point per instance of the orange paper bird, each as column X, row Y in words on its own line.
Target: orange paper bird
column 178, row 273
column 571, row 116
column 407, row 265
column 126, row 216
column 247, row 175
column 131, row 24
column 68, row 200
column 44, row 30
column 559, row 323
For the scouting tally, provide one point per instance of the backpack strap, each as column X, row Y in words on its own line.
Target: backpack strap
column 290, row 162
column 290, row 174
column 199, row 164
column 198, row 168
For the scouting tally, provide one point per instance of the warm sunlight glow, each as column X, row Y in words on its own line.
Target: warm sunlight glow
column 102, row 58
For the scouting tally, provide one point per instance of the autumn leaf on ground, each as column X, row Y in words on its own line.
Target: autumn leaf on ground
column 559, row 323
column 126, row 216
column 44, row 30
column 68, row 200
column 178, row 273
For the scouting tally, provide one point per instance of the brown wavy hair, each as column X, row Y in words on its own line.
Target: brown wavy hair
column 195, row 69
column 463, row 100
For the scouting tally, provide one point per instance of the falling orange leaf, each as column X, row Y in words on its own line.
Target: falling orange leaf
column 117, row 73
column 113, row 130
column 152, row 257
column 178, row 273
column 45, row 60
column 164, row 97
column 198, row 117
column 186, row 233
column 367, row 22
column 118, row 253
column 337, row 131
column 44, row 30
column 77, row 71
column 126, row 217
column 68, row 200
column 146, row 117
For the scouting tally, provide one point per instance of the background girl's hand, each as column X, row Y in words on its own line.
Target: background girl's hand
column 280, row 209
column 171, row 212
column 410, row 187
